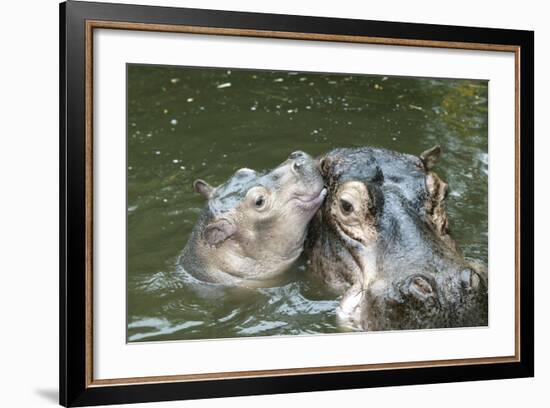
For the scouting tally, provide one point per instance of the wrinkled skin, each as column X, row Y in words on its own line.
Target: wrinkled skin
column 254, row 225
column 381, row 239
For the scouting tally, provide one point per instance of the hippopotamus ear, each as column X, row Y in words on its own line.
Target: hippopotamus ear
column 218, row 231
column 430, row 157
column 203, row 188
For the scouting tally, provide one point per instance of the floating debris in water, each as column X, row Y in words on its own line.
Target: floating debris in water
column 182, row 167
column 332, row 82
column 302, row 79
column 174, row 122
column 175, row 161
column 379, row 87
column 278, row 80
column 437, row 110
column 384, row 78
column 157, row 152
column 190, row 99
column 165, row 200
column 228, row 72
column 133, row 124
column 224, row 85
column 416, row 107
column 308, row 107
column 130, row 167
column 253, row 108
column 165, row 111
column 175, row 80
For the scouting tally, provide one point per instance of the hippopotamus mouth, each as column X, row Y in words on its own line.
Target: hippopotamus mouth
column 311, row 201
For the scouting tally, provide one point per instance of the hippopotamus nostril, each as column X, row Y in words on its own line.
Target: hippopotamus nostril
column 475, row 281
column 422, row 285
column 470, row 279
column 298, row 154
column 300, row 159
column 418, row 287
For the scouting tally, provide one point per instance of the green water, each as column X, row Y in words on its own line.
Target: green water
column 188, row 123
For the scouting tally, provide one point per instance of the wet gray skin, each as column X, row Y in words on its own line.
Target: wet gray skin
column 382, row 240
column 254, row 225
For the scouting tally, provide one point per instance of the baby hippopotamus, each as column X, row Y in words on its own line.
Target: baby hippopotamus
column 382, row 240
column 254, row 225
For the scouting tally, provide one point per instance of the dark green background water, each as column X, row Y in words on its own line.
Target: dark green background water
column 188, row 123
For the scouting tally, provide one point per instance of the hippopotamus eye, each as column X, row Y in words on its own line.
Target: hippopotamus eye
column 260, row 201
column 346, row 206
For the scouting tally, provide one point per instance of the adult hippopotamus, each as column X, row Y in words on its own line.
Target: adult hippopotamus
column 381, row 239
column 253, row 226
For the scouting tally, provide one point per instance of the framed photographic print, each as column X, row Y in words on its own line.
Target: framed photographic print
column 256, row 203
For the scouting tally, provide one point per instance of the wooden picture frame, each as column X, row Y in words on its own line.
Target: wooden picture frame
column 78, row 20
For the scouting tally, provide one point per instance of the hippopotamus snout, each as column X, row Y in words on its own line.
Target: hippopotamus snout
column 462, row 291
column 306, row 171
column 425, row 300
column 450, row 288
column 466, row 279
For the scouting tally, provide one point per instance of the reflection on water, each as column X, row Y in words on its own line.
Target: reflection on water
column 188, row 123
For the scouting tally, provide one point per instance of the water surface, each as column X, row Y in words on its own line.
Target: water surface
column 189, row 123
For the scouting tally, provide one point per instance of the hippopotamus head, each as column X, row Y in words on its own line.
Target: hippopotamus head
column 382, row 239
column 253, row 226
